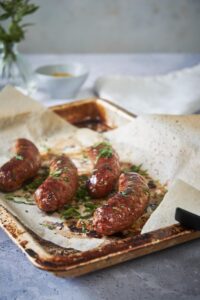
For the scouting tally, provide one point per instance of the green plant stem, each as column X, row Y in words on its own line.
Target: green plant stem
column 8, row 52
column 8, row 57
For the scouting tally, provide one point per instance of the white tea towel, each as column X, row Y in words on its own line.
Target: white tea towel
column 174, row 93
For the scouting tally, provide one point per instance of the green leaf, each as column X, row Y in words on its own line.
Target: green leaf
column 2, row 32
column 15, row 10
column 16, row 32
column 4, row 6
column 30, row 9
column 4, row 16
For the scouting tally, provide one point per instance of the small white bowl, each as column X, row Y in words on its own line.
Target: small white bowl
column 61, row 87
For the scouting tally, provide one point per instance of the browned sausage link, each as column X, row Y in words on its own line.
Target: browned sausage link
column 22, row 166
column 106, row 170
column 60, row 187
column 125, row 207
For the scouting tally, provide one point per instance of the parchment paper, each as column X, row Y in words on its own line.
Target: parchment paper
column 168, row 147
column 45, row 129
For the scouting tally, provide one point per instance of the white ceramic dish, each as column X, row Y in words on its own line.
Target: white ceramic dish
column 61, row 87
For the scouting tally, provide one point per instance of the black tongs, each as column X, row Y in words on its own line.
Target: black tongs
column 187, row 219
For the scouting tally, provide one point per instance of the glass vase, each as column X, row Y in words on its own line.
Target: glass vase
column 14, row 69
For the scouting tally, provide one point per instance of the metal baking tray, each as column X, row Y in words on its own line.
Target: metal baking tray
column 100, row 115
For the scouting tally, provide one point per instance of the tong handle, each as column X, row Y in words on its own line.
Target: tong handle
column 187, row 219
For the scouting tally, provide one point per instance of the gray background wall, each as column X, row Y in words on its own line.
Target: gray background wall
column 85, row 26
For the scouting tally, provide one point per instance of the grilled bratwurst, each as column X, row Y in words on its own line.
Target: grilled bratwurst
column 60, row 187
column 24, row 165
column 125, row 207
column 106, row 170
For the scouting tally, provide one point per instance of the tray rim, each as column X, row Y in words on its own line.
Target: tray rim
column 126, row 113
column 178, row 235
column 108, row 259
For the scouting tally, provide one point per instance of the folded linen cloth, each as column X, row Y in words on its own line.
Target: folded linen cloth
column 175, row 93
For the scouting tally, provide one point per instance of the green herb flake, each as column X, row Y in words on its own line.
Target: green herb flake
column 9, row 197
column 53, row 225
column 19, row 157
column 69, row 212
column 89, row 210
column 90, row 206
column 86, row 216
column 82, row 193
column 56, row 173
column 23, row 200
column 106, row 151
column 137, row 169
column 33, row 185
column 83, row 228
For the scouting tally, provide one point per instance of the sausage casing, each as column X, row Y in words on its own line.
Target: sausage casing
column 106, row 170
column 125, row 207
column 60, row 187
column 24, row 165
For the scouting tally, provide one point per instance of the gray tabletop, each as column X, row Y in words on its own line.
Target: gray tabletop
column 170, row 274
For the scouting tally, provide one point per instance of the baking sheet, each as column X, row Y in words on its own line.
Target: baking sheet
column 165, row 145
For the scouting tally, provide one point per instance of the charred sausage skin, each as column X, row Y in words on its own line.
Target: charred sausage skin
column 60, row 187
column 24, row 165
column 106, row 170
column 125, row 207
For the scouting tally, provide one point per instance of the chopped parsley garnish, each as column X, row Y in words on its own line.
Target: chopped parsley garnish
column 23, row 199
column 90, row 206
column 83, row 228
column 52, row 225
column 19, row 157
column 56, row 173
column 89, row 210
column 70, row 212
column 106, row 151
column 59, row 172
column 35, row 183
column 137, row 169
column 82, row 193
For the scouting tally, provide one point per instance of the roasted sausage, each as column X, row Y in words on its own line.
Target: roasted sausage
column 60, row 187
column 106, row 170
column 22, row 166
column 125, row 207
